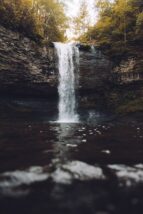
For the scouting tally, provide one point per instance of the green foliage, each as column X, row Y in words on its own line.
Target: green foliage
column 119, row 24
column 81, row 21
column 37, row 19
column 54, row 19
column 18, row 15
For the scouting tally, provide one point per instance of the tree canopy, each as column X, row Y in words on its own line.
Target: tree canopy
column 119, row 25
column 81, row 21
column 37, row 19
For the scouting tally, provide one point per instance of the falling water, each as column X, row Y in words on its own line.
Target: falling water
column 93, row 50
column 68, row 57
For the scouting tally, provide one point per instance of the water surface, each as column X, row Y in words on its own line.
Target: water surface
column 94, row 166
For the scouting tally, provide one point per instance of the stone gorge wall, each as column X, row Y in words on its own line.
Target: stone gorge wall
column 108, row 85
column 102, row 70
column 95, row 69
column 130, row 70
column 94, row 78
column 26, row 69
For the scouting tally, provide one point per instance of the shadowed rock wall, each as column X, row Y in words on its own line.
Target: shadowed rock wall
column 26, row 69
column 95, row 69
column 130, row 70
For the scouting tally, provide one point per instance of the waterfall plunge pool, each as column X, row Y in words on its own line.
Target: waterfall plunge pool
column 52, row 167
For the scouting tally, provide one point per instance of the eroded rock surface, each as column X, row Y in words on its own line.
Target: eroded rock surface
column 130, row 70
column 26, row 68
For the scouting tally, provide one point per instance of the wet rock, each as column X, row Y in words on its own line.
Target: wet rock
column 128, row 175
column 70, row 171
column 11, row 181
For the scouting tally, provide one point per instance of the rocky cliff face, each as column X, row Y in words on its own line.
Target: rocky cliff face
column 127, row 95
column 25, row 67
column 95, row 69
column 95, row 76
column 130, row 70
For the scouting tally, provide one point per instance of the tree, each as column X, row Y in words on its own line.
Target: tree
column 102, row 6
column 54, row 19
column 81, row 21
column 37, row 19
column 120, row 24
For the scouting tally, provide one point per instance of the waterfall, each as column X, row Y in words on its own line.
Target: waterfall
column 68, row 58
column 93, row 50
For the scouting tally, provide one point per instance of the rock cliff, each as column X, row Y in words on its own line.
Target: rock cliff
column 130, row 69
column 26, row 68
column 94, row 70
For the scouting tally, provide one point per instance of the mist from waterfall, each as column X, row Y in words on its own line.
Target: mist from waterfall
column 68, row 59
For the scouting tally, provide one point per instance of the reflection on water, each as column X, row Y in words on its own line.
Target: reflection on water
column 66, row 139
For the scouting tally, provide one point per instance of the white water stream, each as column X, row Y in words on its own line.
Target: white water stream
column 68, row 58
